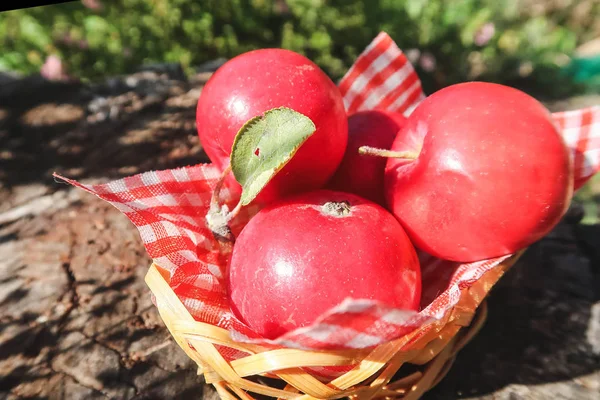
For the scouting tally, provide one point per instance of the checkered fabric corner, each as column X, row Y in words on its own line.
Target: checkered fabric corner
column 168, row 208
column 383, row 78
column 581, row 131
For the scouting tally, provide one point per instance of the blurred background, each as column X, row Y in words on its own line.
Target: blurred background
column 544, row 46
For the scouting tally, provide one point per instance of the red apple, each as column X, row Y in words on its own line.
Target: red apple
column 254, row 82
column 492, row 175
column 300, row 257
column 363, row 174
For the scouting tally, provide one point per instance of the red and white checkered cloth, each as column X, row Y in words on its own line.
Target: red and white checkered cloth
column 168, row 208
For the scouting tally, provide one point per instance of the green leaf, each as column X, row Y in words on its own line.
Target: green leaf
column 264, row 145
column 33, row 32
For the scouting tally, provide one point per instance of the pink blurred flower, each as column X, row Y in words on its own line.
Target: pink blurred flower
column 282, row 7
column 95, row 5
column 484, row 34
column 53, row 69
column 67, row 39
column 413, row 55
column 427, row 61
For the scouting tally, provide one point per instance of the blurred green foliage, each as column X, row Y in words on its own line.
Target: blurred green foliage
column 589, row 197
column 506, row 41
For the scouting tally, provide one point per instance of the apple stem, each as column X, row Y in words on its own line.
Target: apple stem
column 373, row 151
column 214, row 201
column 233, row 213
column 218, row 216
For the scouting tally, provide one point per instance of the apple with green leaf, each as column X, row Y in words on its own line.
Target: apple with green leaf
column 257, row 81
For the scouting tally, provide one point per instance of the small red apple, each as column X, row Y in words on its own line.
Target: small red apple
column 491, row 176
column 254, row 82
column 362, row 174
column 300, row 257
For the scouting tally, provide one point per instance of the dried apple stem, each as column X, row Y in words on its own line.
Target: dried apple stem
column 214, row 201
column 218, row 216
column 373, row 151
column 233, row 213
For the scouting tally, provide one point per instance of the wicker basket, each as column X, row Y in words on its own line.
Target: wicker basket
column 432, row 348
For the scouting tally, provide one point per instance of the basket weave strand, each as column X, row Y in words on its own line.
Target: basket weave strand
column 433, row 347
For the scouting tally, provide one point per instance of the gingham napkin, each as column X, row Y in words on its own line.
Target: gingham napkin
column 168, row 208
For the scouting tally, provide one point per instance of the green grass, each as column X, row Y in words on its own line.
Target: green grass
column 492, row 40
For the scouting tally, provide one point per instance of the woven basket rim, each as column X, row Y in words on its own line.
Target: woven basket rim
column 373, row 368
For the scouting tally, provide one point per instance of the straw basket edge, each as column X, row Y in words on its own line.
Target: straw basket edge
column 433, row 347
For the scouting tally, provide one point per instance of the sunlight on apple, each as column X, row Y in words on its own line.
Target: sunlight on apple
column 452, row 160
column 284, row 269
column 238, row 106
